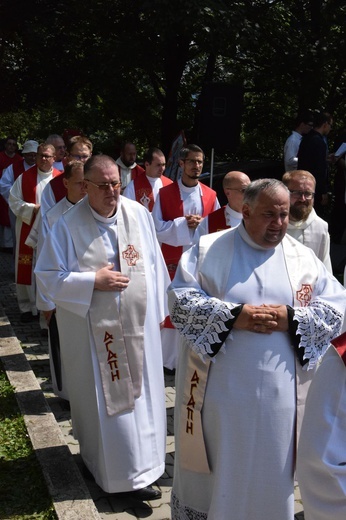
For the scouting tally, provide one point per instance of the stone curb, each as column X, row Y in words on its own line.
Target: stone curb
column 71, row 498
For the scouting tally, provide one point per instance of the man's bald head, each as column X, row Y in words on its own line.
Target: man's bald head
column 234, row 184
column 98, row 162
column 234, row 177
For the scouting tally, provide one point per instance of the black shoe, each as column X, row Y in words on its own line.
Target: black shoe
column 144, row 494
column 28, row 317
column 169, row 371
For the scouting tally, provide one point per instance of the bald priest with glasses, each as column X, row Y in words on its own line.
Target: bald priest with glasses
column 103, row 268
column 304, row 224
column 234, row 184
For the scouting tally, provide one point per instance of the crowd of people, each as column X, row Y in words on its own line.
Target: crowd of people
column 134, row 274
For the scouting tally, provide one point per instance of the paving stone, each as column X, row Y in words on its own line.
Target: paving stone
column 83, row 499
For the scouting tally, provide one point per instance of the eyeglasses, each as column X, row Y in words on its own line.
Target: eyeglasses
column 194, row 161
column 106, row 185
column 298, row 194
column 241, row 190
column 61, row 147
column 44, row 156
column 80, row 157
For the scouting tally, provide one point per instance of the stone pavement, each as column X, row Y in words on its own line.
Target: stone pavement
column 75, row 496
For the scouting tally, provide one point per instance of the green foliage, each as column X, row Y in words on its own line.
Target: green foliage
column 119, row 69
column 23, row 494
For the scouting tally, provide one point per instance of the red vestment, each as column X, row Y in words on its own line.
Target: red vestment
column 172, row 207
column 25, row 253
column 217, row 220
column 143, row 188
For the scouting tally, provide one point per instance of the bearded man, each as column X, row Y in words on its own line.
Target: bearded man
column 304, row 224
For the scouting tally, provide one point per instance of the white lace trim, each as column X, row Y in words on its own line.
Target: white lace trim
column 180, row 512
column 317, row 326
column 201, row 319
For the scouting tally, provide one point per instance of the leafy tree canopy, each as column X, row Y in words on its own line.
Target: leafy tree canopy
column 118, row 69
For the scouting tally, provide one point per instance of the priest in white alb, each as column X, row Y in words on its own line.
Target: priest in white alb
column 73, row 182
column 256, row 310
column 103, row 268
column 178, row 210
column 321, row 461
column 25, row 201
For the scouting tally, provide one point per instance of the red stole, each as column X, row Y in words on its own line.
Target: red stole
column 4, row 217
column 58, row 187
column 6, row 161
column 143, row 190
column 136, row 172
column 25, row 253
column 217, row 220
column 18, row 168
column 172, row 207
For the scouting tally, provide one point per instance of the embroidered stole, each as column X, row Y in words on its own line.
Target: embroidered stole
column 118, row 332
column 144, row 192
column 301, row 269
column 25, row 253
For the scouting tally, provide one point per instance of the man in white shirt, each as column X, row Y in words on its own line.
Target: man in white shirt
column 304, row 224
column 234, row 184
column 303, row 125
column 144, row 188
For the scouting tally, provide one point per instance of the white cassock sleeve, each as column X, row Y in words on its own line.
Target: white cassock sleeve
column 47, row 199
column 204, row 321
column 42, row 303
column 325, row 257
column 202, row 229
column 6, row 182
column 20, row 207
column 58, row 275
column 192, row 311
column 172, row 232
column 321, row 460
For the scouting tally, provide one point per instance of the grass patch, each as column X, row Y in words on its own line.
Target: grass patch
column 23, row 492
